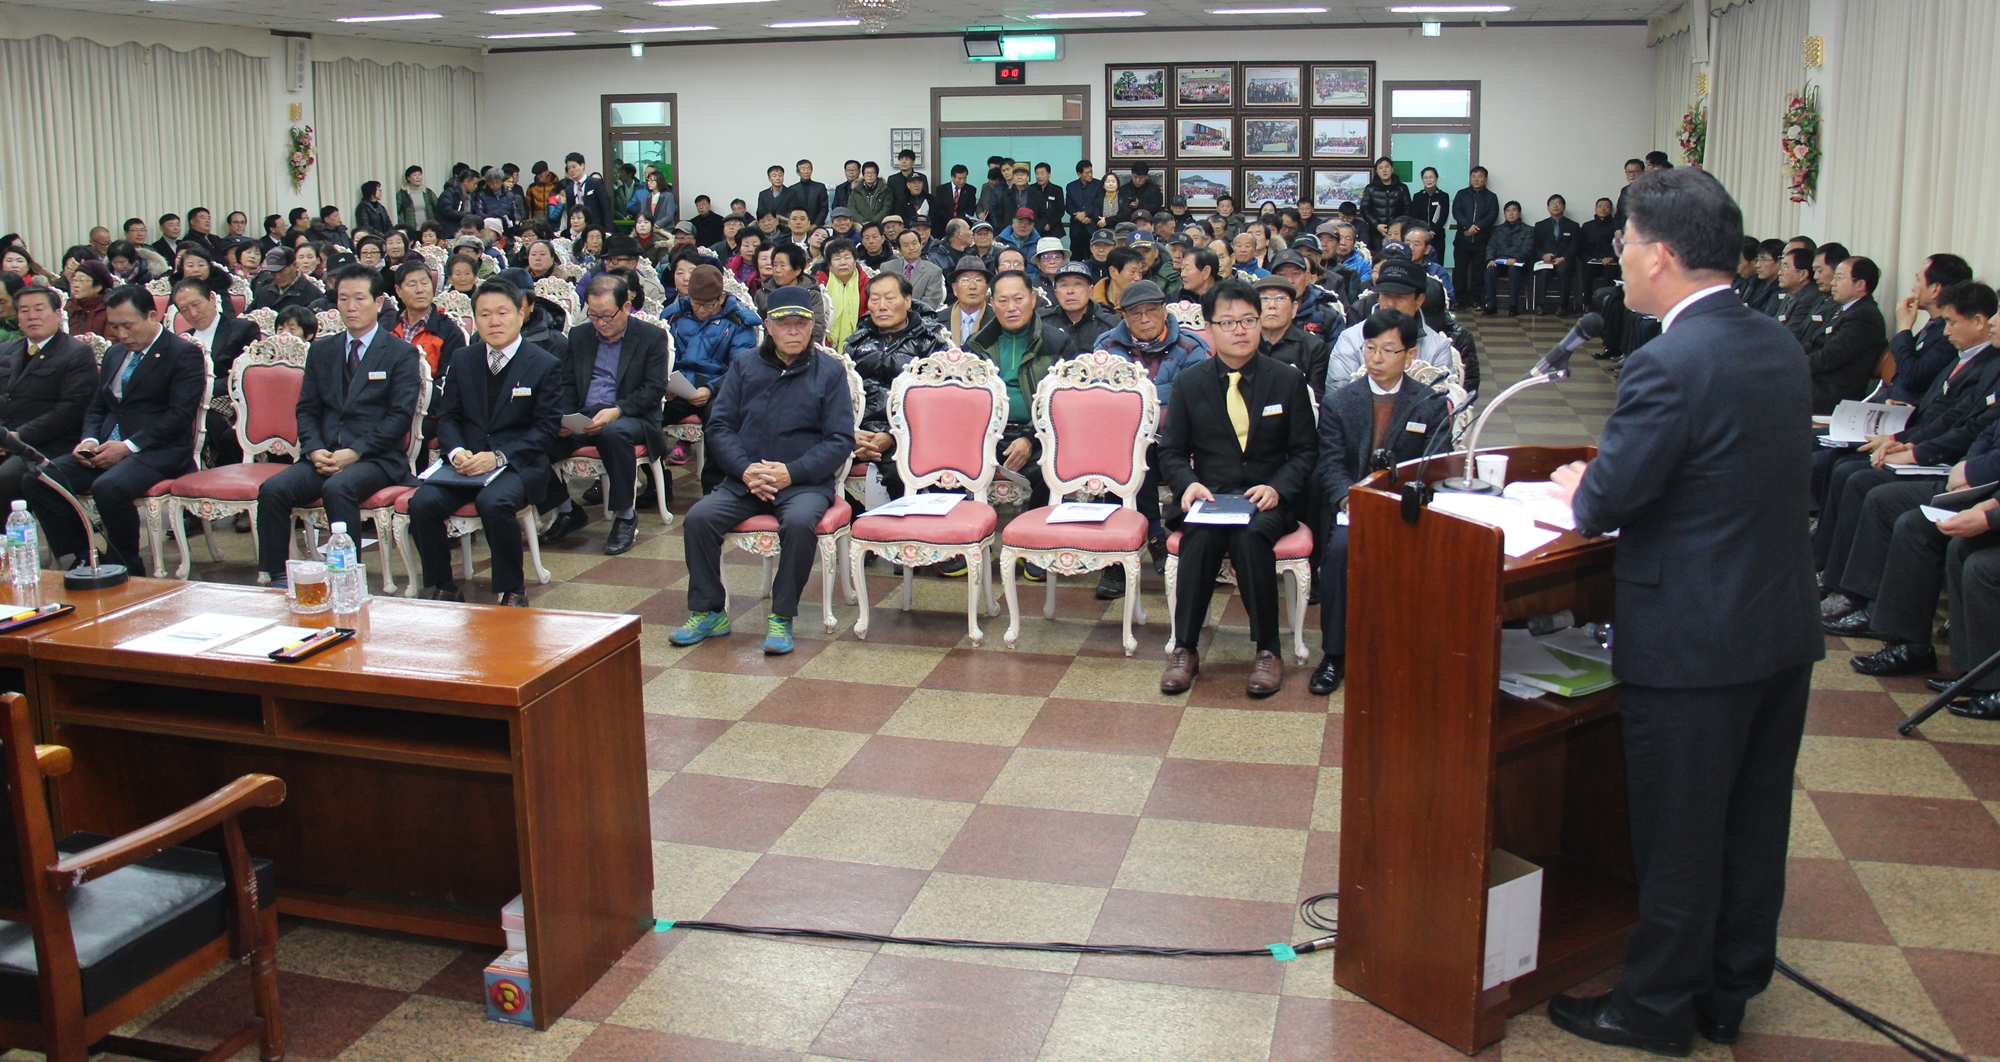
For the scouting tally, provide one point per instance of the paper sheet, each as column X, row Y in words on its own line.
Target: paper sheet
column 1504, row 513
column 1921, row 470
column 261, row 643
column 1534, row 496
column 918, row 505
column 1859, row 421
column 195, row 634
column 577, row 423
column 1082, row 512
column 1521, row 654
column 1934, row 514
column 1521, row 542
column 679, row 386
column 1578, row 641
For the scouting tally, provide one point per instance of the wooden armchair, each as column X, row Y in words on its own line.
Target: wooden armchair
column 98, row 929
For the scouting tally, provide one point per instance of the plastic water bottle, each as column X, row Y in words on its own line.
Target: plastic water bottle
column 343, row 570
column 24, row 557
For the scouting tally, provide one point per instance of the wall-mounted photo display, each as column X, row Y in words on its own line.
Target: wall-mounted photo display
column 1270, row 138
column 1271, row 186
column 1205, row 138
column 1205, row 86
column 1272, row 86
column 1202, row 186
column 1343, row 138
column 1344, row 85
column 1138, row 138
column 1334, row 187
column 1133, row 87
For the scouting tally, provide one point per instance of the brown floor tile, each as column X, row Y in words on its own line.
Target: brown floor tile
column 610, row 990
column 1108, row 638
column 464, row 978
column 1965, row 986
column 1363, row 1032
column 726, row 812
column 1334, row 743
column 941, row 770
column 1978, row 765
column 1825, row 901
column 807, row 893
column 830, row 705
column 742, row 653
column 889, row 624
column 1064, row 847
column 634, row 571
column 1322, row 868
column 1304, row 1032
column 673, row 740
column 980, row 671
column 621, row 1043
column 1929, row 830
column 907, row 1009
column 322, row 1016
column 1246, row 794
column 1758, row 1047
column 1221, row 684
column 1852, row 713
column 1166, row 920
column 1103, row 726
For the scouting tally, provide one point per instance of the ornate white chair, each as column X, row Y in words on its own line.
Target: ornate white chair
column 162, row 290
column 562, row 293
column 569, row 271
column 153, row 507
column 562, row 248
column 1095, row 415
column 239, row 292
column 329, row 322
column 461, row 525
column 264, row 317
column 1294, row 552
column 379, row 508
column 264, row 384
column 455, row 305
column 946, row 411
column 97, row 344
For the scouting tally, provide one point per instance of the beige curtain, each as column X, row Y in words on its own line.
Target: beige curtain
column 374, row 121
column 1673, row 90
column 1758, row 63
column 94, row 135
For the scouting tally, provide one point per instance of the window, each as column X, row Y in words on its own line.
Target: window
column 1028, row 123
column 1434, row 123
column 639, row 130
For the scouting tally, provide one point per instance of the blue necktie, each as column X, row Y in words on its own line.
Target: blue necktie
column 124, row 377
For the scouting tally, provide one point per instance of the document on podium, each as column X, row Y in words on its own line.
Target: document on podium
column 1855, row 422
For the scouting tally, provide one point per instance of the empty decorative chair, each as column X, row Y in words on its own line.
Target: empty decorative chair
column 264, row 384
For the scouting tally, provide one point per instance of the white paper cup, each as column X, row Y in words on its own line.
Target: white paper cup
column 1492, row 468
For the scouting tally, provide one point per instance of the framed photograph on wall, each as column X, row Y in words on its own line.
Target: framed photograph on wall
column 1133, row 87
column 1270, row 138
column 1205, row 86
column 1275, row 186
column 1343, row 138
column 1205, row 138
column 1138, row 138
column 1344, row 85
column 1203, row 186
column 1334, row 187
column 1272, row 86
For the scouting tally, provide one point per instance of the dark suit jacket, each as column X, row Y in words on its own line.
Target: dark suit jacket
column 1302, row 351
column 369, row 413
column 524, row 425
column 1557, row 237
column 1705, row 467
column 1955, row 409
column 641, row 376
column 589, row 193
column 1198, row 445
column 1844, row 354
column 953, row 201
column 233, row 336
column 157, row 410
column 1347, row 431
column 44, row 405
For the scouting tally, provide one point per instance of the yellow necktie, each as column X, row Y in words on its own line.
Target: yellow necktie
column 1239, row 413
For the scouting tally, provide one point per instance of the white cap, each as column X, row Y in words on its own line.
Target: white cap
column 20, row 505
column 340, row 527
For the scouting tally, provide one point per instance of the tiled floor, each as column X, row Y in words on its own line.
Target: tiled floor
column 917, row 785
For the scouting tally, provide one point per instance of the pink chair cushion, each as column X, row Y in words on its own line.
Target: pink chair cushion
column 166, row 487
column 968, row 521
column 837, row 516
column 239, row 302
column 1124, row 532
column 948, row 429
column 1297, row 545
column 386, row 498
column 591, row 452
column 403, row 504
column 1094, row 430
column 238, row 482
column 271, row 400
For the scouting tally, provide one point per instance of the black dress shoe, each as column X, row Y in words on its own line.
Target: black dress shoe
column 1157, row 546
column 1597, row 1019
column 1939, row 685
column 624, row 530
column 593, row 494
column 441, row 593
column 514, row 599
column 1836, row 604
column 1944, row 631
column 1111, row 584
column 1985, row 707
column 565, row 525
column 1718, row 1032
column 1326, row 677
column 1904, row 658
column 243, row 523
column 1852, row 625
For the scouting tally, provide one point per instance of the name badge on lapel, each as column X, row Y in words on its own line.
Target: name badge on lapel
column 1417, row 426
column 378, row 376
column 523, row 392
column 1274, row 409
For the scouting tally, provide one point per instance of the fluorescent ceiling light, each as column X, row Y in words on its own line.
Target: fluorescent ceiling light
column 524, row 36
column 1267, row 11
column 553, row 9
column 666, row 29
column 703, row 3
column 1087, row 14
column 1452, row 9
column 388, row 18
column 816, row 24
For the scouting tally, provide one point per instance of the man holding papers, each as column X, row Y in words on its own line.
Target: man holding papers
column 1239, row 428
column 502, row 402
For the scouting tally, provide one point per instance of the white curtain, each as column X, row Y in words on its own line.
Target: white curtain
column 94, row 135
column 374, row 121
column 1673, row 90
column 1758, row 63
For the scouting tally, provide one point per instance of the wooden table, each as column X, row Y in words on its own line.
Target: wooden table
column 451, row 757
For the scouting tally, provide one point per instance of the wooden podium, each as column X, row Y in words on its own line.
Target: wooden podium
column 1441, row 767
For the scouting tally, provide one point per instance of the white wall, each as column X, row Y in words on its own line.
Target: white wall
column 1562, row 108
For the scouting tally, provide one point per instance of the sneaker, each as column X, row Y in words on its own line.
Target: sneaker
column 1031, row 573
column 954, row 568
column 677, row 456
column 700, row 627
column 1111, row 585
column 778, row 636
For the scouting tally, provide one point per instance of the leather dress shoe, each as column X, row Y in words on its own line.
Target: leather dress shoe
column 1939, row 685
column 1836, row 604
column 1717, row 1032
column 438, row 593
column 565, row 525
column 1852, row 625
column 1597, row 1018
column 1903, row 658
column 1267, row 675
column 1326, row 677
column 1182, row 666
column 514, row 599
column 1985, row 707
column 624, row 529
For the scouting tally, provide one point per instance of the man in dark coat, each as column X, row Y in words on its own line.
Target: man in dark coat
column 1845, row 352
column 46, row 379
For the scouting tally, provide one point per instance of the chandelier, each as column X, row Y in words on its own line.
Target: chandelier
column 874, row 14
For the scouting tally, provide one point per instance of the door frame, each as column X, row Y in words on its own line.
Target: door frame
column 1391, row 125
column 1079, row 128
column 669, row 132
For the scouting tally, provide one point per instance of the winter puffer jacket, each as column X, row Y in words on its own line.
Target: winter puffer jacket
column 879, row 358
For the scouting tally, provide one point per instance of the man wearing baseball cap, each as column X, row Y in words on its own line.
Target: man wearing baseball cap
column 1399, row 285
column 967, row 286
column 1075, row 312
column 1021, row 234
column 782, row 428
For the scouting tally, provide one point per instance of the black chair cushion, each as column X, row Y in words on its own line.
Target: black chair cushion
column 128, row 925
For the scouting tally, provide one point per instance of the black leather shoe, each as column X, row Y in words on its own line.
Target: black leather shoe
column 1852, row 625
column 1718, row 1032
column 1905, row 658
column 623, row 531
column 593, row 494
column 1985, row 707
column 565, row 525
column 1939, row 685
column 440, row 593
column 1836, row 604
column 1326, row 677
column 1111, row 585
column 514, row 599
column 1597, row 1019
column 1944, row 631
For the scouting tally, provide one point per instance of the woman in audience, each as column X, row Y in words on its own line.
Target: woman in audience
column 395, row 247
column 575, row 222
column 298, row 321
column 846, row 290
column 1384, row 200
column 540, row 259
column 14, row 259
column 1109, row 215
column 126, row 265
column 642, row 230
column 198, row 264
column 369, row 214
column 586, row 249
column 233, row 261
column 431, row 234
column 744, row 266
column 462, row 275
column 654, row 201
column 87, row 286
column 72, row 258
column 306, row 256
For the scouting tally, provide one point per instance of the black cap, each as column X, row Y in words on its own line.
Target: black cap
column 621, row 247
column 1275, row 282
column 1179, row 200
column 1400, row 276
column 971, row 263
column 1102, row 236
column 1289, row 258
column 1139, row 293
column 1077, row 269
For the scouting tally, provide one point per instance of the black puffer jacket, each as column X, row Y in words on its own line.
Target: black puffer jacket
column 1383, row 203
column 879, row 358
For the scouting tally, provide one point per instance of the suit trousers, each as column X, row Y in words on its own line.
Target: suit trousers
column 1847, row 486
column 718, row 512
column 13, row 473
column 1333, row 592
column 1597, row 275
column 298, row 487
column 1912, row 576
column 618, row 448
column 1517, row 282
column 1972, row 577
column 1862, row 574
column 1564, row 277
column 1469, row 271
column 1252, row 549
column 1825, row 461
column 223, row 449
column 1709, row 785
column 498, row 503
column 115, row 488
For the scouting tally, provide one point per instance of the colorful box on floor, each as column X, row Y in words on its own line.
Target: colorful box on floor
column 508, row 994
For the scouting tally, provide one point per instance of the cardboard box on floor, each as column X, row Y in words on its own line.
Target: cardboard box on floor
column 1513, row 918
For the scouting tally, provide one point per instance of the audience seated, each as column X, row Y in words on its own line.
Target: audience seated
column 48, row 377
column 898, row 331
column 1074, row 312
column 1024, row 346
column 1282, row 339
column 223, row 337
column 1800, row 304
column 1400, row 285
column 711, row 328
column 1846, row 349
column 1596, row 252
column 1920, row 357
column 1511, row 248
column 1555, row 256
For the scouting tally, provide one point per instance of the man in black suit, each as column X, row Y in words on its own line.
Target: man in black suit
column 809, row 194
column 955, row 199
column 224, row 338
column 616, row 376
column 355, row 410
column 1704, row 467
column 586, row 191
column 502, row 406
column 1237, row 423
column 1846, row 350
column 46, row 378
column 1556, row 239
column 138, row 430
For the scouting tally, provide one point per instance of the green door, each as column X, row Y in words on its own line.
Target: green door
column 1060, row 152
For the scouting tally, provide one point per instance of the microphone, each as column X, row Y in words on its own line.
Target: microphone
column 11, row 443
column 1555, row 363
column 1553, row 366
column 93, row 576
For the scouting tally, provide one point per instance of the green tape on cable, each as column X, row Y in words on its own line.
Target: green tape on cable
column 1282, row 952
column 661, row 925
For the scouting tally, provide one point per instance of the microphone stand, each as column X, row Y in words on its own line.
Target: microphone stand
column 1470, row 483
column 94, row 576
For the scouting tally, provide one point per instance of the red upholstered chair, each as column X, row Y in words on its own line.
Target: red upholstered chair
column 946, row 411
column 379, row 508
column 1294, row 559
column 264, row 385
column 585, row 464
column 1094, row 415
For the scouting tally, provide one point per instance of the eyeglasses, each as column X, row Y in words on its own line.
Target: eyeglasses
column 600, row 318
column 1234, row 324
column 1619, row 243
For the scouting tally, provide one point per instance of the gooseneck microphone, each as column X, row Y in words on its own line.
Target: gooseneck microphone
column 1587, row 328
column 1553, row 366
column 93, row 576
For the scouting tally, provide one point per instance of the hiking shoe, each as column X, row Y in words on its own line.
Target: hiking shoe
column 778, row 636
column 700, row 627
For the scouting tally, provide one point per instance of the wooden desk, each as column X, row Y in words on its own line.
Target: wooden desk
column 15, row 647
column 452, row 757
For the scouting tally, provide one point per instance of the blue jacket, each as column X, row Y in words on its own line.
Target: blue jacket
column 703, row 350
column 800, row 416
column 1163, row 358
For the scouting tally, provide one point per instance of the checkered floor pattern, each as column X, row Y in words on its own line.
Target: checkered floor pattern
column 918, row 785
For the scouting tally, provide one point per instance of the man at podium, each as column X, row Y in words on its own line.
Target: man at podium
column 1704, row 469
